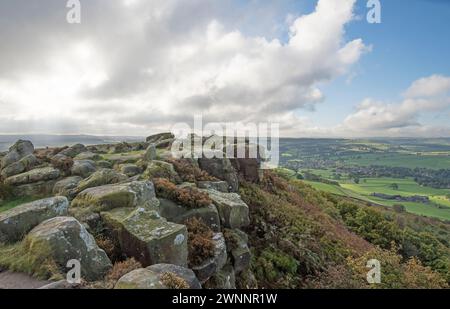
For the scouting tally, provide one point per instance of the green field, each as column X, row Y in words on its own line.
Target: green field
column 438, row 208
column 400, row 160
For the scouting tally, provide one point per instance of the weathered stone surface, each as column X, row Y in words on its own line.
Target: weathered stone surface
column 146, row 236
column 83, row 168
column 221, row 168
column 180, row 214
column 123, row 158
column 38, row 189
column 62, row 162
column 159, row 137
column 150, row 153
column 133, row 194
column 87, row 156
column 15, row 223
column 234, row 213
column 66, row 187
column 214, row 264
column 36, row 175
column 68, row 239
column 164, row 144
column 100, row 178
column 140, row 279
column 74, row 150
column 130, row 169
column 184, row 273
column 16, row 152
column 24, row 164
column 104, row 164
column 161, row 169
column 240, row 253
column 224, row 279
column 221, row 186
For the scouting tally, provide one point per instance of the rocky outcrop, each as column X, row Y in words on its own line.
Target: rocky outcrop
column 15, row 223
column 153, row 139
column 16, row 152
column 221, row 168
column 24, row 164
column 234, row 213
column 68, row 239
column 146, row 236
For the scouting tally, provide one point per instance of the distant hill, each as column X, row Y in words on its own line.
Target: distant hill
column 40, row 140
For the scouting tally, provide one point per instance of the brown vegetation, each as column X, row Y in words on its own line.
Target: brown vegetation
column 200, row 243
column 189, row 197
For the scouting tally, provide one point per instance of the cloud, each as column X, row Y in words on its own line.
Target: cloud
column 134, row 66
column 432, row 86
column 401, row 119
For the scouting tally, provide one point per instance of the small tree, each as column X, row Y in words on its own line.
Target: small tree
column 394, row 186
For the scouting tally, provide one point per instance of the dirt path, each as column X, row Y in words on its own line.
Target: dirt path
column 9, row 280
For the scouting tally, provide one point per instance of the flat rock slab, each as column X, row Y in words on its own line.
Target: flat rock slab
column 36, row 175
column 15, row 223
column 103, row 198
column 146, row 236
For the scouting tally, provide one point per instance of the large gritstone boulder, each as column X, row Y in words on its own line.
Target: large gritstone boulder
column 101, row 178
column 68, row 239
column 180, row 214
column 16, row 152
column 234, row 213
column 83, row 168
column 103, row 198
column 37, row 182
column 67, row 186
column 221, row 168
column 147, row 237
column 36, row 175
column 161, row 169
column 74, row 150
column 153, row 139
column 15, row 223
column 140, row 279
column 23, row 165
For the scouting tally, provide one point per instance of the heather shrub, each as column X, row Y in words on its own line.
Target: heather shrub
column 189, row 172
column 172, row 281
column 189, row 197
column 200, row 243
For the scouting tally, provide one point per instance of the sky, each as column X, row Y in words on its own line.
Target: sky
column 135, row 67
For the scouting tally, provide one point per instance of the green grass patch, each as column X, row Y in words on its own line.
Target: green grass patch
column 9, row 204
column 30, row 258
